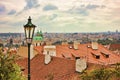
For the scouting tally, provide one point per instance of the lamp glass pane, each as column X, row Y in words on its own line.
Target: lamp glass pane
column 31, row 32
column 27, row 32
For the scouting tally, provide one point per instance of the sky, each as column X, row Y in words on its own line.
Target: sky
column 60, row 15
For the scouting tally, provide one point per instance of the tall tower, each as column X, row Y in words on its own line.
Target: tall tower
column 38, row 38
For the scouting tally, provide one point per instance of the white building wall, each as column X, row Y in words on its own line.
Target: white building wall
column 51, row 50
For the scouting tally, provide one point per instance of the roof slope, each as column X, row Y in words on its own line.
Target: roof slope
column 85, row 51
column 62, row 69
column 115, row 47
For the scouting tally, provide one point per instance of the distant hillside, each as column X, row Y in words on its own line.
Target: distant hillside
column 10, row 34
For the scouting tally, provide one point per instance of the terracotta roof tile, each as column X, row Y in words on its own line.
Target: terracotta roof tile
column 115, row 46
column 59, row 67
column 22, row 51
column 39, row 49
column 62, row 68
column 84, row 51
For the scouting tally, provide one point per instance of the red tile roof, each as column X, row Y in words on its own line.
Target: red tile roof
column 39, row 49
column 114, row 47
column 22, row 62
column 60, row 68
column 23, row 51
column 84, row 51
column 112, row 59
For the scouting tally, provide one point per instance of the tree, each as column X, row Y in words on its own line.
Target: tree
column 1, row 45
column 116, row 72
column 105, row 41
column 9, row 70
column 103, row 73
column 98, row 74
column 86, row 76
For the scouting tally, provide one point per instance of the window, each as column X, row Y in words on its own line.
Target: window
column 105, row 54
column 97, row 57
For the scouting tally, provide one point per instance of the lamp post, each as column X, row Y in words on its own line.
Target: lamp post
column 29, row 29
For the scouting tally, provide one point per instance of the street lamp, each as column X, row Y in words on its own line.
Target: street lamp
column 29, row 29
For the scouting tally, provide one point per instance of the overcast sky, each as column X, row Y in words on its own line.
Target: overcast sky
column 60, row 15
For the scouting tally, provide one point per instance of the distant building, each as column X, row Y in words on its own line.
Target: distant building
column 11, row 41
column 38, row 38
column 115, row 48
column 63, row 61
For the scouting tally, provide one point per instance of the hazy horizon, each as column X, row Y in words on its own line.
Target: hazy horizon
column 60, row 16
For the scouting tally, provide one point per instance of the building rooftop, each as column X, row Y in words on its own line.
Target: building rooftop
column 114, row 47
column 62, row 66
column 38, row 36
column 59, row 68
column 101, row 55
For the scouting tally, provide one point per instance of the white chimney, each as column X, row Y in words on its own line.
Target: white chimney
column 80, row 65
column 51, row 50
column 94, row 45
column 31, row 52
column 75, row 45
column 47, row 58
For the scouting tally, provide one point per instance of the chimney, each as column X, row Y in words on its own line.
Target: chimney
column 47, row 58
column 94, row 45
column 75, row 45
column 80, row 65
column 31, row 52
column 64, row 42
column 50, row 49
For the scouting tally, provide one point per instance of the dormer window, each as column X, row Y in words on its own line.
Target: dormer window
column 105, row 54
column 76, row 56
column 97, row 56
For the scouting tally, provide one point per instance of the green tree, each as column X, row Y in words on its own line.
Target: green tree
column 116, row 72
column 86, row 76
column 101, row 74
column 9, row 70
column 105, row 42
column 97, row 74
